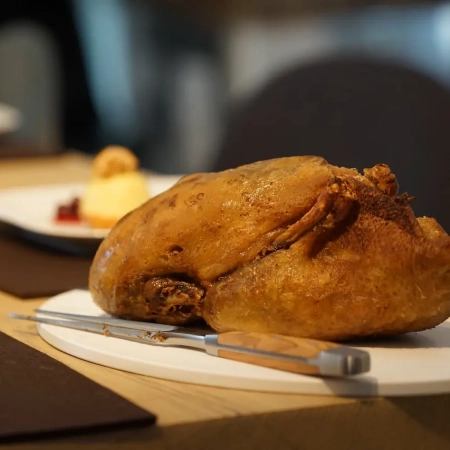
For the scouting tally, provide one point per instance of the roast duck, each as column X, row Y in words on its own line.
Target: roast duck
column 292, row 246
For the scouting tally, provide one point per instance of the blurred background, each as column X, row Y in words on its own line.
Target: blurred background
column 168, row 78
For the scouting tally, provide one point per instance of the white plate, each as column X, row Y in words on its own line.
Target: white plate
column 415, row 364
column 33, row 208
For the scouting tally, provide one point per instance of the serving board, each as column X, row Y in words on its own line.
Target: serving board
column 413, row 364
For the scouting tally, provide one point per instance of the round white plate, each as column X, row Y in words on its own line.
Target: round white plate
column 414, row 364
column 33, row 208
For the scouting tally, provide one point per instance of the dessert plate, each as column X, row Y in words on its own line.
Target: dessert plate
column 413, row 364
column 33, row 209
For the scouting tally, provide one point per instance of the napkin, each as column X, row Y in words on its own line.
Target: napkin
column 41, row 397
column 30, row 270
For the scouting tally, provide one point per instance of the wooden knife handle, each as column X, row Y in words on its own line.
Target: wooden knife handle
column 288, row 353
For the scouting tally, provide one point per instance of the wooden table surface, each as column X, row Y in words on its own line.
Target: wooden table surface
column 199, row 417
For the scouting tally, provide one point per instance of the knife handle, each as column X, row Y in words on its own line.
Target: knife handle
column 291, row 354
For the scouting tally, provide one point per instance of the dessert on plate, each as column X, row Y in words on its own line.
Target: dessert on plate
column 116, row 188
column 292, row 246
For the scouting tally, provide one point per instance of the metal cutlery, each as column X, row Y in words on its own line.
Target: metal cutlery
column 292, row 354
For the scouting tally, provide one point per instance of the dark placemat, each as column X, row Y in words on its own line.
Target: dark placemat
column 29, row 269
column 41, row 397
column 11, row 148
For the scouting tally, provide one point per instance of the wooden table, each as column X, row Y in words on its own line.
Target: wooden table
column 199, row 417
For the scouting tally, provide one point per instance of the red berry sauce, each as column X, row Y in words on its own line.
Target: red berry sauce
column 69, row 212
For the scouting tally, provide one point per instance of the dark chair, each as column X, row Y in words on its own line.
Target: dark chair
column 355, row 112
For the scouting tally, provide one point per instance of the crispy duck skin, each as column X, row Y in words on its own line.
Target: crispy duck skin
column 291, row 245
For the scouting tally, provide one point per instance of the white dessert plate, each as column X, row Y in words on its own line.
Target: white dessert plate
column 33, row 208
column 413, row 364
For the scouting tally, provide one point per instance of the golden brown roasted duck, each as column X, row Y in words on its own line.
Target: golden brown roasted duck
column 291, row 246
